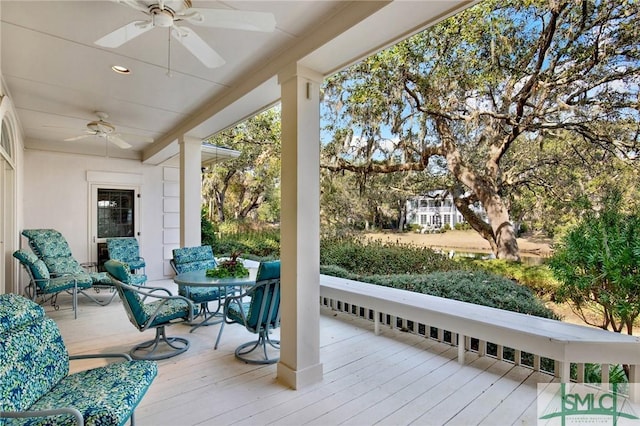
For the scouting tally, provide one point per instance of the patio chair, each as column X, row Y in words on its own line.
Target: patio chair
column 36, row 386
column 187, row 259
column 51, row 246
column 126, row 250
column 46, row 288
column 260, row 315
column 164, row 309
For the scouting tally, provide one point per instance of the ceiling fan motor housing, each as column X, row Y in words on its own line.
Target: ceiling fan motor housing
column 101, row 127
column 162, row 17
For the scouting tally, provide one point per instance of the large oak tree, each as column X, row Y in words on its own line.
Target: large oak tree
column 468, row 89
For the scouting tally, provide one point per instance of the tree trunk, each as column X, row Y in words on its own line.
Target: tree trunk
column 503, row 233
column 402, row 214
column 220, row 206
column 500, row 233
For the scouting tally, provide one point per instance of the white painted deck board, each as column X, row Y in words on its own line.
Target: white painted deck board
column 395, row 378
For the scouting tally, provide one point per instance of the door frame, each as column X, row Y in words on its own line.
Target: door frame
column 92, row 245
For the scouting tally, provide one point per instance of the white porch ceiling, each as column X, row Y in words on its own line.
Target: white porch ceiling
column 57, row 77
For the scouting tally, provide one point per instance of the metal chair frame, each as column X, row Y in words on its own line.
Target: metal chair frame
column 147, row 350
column 268, row 315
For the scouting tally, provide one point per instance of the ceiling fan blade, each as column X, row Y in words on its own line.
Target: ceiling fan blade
column 234, row 19
column 197, row 46
column 135, row 4
column 77, row 138
column 123, row 34
column 117, row 140
column 133, row 137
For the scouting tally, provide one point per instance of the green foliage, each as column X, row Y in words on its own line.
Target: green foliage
column 253, row 243
column 376, row 257
column 538, row 278
column 598, row 264
column 479, row 287
column 403, row 266
column 231, row 267
column 593, row 374
column 207, row 230
column 461, row 226
column 246, row 186
column 413, row 227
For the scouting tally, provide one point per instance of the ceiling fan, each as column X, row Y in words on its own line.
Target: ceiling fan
column 103, row 129
column 169, row 13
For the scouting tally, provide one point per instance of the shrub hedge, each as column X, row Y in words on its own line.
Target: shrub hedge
column 408, row 267
column 366, row 257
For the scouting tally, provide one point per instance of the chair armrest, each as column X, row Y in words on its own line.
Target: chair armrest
column 148, row 292
column 45, row 413
column 127, row 357
column 166, row 300
column 238, row 301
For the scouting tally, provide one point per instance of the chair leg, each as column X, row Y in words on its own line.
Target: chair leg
column 147, row 350
column 247, row 348
column 75, row 303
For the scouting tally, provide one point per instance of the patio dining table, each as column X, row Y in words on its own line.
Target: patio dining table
column 199, row 278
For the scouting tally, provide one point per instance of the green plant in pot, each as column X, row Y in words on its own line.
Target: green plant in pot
column 230, row 268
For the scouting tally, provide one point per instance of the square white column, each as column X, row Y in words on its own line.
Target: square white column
column 190, row 191
column 300, row 228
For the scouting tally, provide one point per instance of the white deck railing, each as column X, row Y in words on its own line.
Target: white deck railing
column 488, row 331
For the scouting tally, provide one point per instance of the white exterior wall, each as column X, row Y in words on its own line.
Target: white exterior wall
column 56, row 194
column 429, row 215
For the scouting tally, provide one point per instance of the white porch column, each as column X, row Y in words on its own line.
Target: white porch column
column 190, row 191
column 300, row 228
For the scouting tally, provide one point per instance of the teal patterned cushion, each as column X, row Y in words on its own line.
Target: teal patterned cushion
column 17, row 311
column 125, row 250
column 34, row 368
column 40, row 270
column 45, row 283
column 58, row 284
column 187, row 259
column 105, row 395
column 268, row 270
column 37, row 267
column 51, row 246
column 25, row 256
column 47, row 242
column 63, row 265
column 121, row 271
column 140, row 311
column 173, row 309
column 200, row 294
column 101, row 278
column 234, row 311
column 33, row 360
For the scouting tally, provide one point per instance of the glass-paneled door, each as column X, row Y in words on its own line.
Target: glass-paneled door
column 115, row 214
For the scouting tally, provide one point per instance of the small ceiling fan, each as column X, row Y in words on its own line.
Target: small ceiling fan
column 169, row 13
column 103, row 129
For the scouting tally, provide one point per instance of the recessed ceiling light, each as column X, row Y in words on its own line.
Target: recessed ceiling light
column 121, row 69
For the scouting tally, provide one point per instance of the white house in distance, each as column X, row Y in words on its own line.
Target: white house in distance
column 435, row 209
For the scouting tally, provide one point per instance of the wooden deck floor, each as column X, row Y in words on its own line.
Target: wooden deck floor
column 392, row 379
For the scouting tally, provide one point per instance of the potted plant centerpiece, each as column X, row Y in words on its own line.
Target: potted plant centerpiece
column 229, row 268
